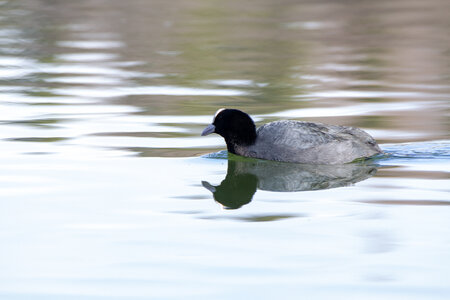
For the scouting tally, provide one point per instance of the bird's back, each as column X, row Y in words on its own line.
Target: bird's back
column 307, row 142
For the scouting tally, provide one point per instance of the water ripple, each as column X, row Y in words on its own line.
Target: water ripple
column 91, row 44
column 355, row 109
column 422, row 150
column 87, row 57
column 148, row 90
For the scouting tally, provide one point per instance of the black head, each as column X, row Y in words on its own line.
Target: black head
column 235, row 126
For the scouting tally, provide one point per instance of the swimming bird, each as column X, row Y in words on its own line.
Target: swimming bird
column 291, row 141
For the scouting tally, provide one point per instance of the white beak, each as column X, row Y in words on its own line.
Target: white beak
column 209, row 129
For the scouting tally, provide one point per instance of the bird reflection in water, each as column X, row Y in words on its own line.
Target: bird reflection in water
column 245, row 176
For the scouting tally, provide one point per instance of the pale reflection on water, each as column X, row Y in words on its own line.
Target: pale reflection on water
column 101, row 166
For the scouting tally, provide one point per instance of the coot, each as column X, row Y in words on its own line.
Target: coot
column 291, row 141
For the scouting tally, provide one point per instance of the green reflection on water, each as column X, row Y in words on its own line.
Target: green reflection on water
column 246, row 175
column 209, row 51
column 40, row 139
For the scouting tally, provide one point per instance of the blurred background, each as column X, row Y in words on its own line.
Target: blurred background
column 382, row 65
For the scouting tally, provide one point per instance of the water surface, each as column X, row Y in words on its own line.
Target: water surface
column 108, row 191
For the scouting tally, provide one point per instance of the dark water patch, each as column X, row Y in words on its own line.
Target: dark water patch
column 269, row 218
column 255, row 218
column 42, row 122
column 38, row 153
column 39, row 139
column 41, row 94
column 408, row 202
column 46, row 104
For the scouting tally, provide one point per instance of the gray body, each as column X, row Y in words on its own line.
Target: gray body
column 311, row 143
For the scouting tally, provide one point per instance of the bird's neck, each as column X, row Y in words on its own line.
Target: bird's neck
column 234, row 143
